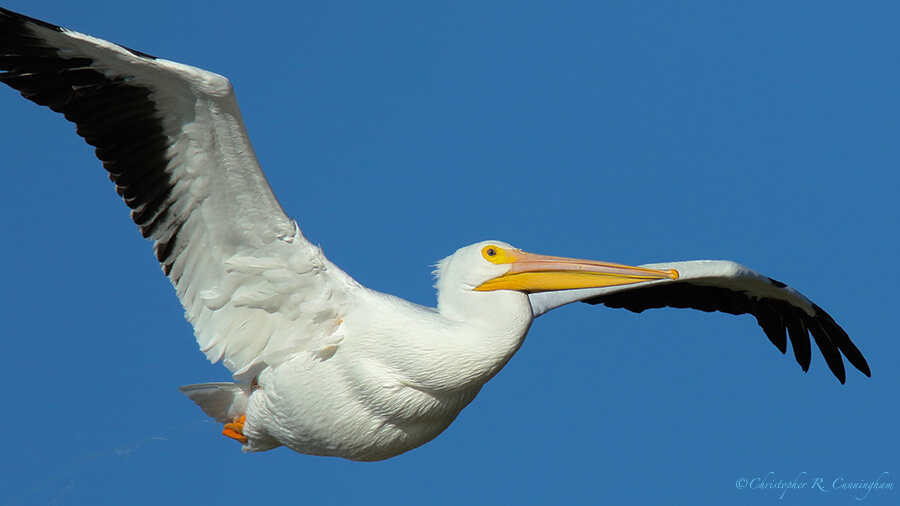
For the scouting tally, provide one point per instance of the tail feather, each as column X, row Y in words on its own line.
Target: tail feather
column 222, row 401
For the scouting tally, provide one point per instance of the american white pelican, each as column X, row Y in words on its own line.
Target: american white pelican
column 322, row 364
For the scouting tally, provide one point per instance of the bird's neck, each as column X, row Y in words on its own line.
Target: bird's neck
column 442, row 352
column 466, row 356
column 482, row 337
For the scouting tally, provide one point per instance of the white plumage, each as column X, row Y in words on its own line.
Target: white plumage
column 322, row 364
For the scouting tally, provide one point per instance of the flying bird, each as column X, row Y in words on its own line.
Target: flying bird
column 322, row 364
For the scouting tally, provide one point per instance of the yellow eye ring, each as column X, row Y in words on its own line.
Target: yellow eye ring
column 496, row 255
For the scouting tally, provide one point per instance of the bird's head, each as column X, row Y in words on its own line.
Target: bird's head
column 488, row 276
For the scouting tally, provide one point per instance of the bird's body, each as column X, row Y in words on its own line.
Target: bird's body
column 329, row 402
column 323, row 365
column 355, row 392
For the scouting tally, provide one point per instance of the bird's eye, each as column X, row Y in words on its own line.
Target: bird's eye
column 495, row 255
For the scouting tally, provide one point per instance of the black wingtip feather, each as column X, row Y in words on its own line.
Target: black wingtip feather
column 779, row 320
column 771, row 322
column 840, row 338
column 829, row 349
column 799, row 339
column 113, row 114
column 19, row 22
column 21, row 19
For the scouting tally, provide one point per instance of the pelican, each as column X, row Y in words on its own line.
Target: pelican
column 321, row 364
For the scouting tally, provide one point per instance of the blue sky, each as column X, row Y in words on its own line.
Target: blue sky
column 396, row 133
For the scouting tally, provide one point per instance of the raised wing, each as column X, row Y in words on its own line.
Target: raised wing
column 173, row 141
column 718, row 285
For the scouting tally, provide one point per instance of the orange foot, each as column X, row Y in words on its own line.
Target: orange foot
column 236, row 430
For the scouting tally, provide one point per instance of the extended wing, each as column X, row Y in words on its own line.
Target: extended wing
column 718, row 285
column 173, row 141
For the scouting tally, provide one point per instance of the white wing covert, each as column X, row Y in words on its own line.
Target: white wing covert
column 173, row 141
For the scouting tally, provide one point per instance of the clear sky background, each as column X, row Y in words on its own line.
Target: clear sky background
column 396, row 133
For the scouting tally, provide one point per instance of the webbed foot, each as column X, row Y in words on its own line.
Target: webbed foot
column 235, row 430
